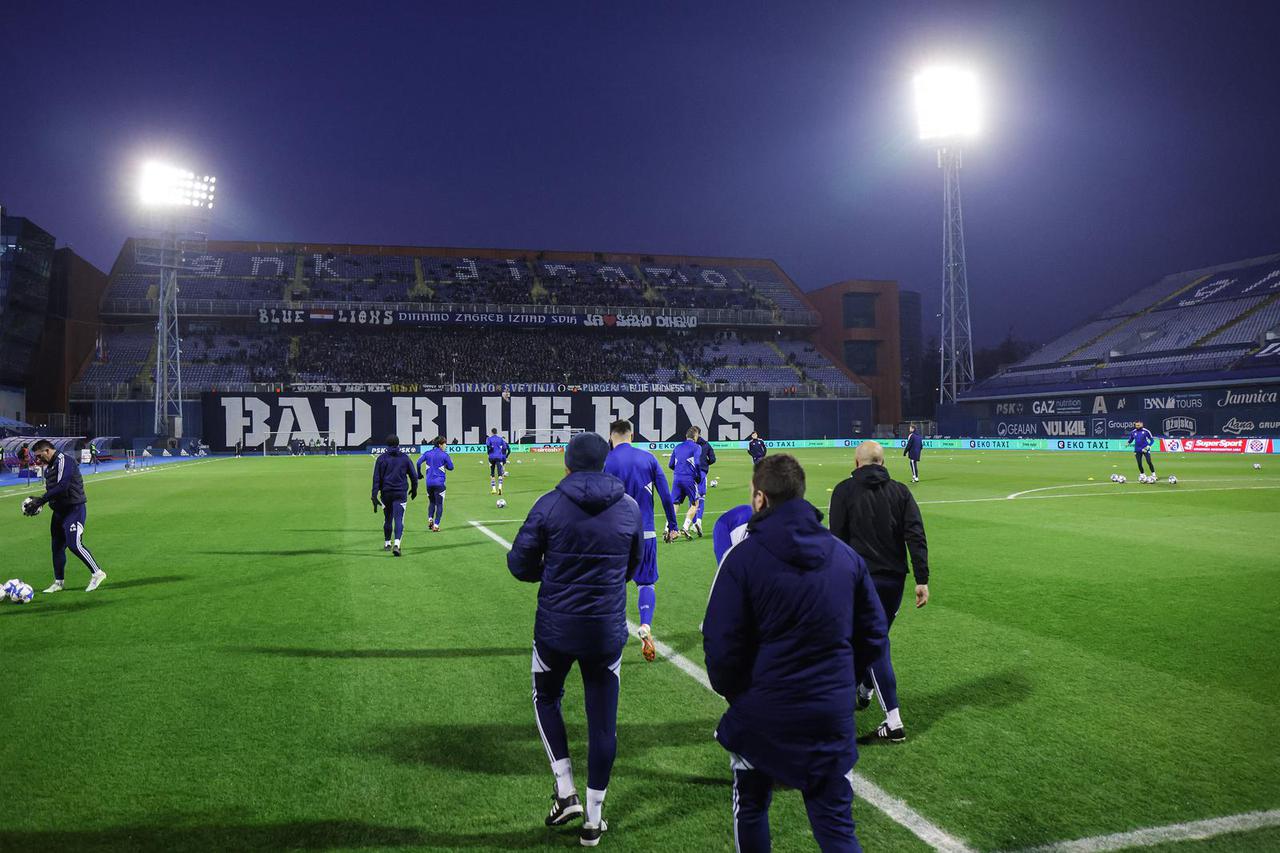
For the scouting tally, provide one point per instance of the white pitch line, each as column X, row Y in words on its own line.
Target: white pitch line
column 897, row 810
column 99, row 478
column 1086, row 485
column 1193, row 831
column 1168, row 490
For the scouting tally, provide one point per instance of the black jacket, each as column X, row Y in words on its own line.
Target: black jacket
column 880, row 519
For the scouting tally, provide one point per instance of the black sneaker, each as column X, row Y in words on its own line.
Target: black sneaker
column 883, row 733
column 590, row 835
column 395, row 551
column 563, row 809
column 386, row 546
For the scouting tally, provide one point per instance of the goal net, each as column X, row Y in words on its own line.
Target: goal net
column 560, row 435
column 294, row 443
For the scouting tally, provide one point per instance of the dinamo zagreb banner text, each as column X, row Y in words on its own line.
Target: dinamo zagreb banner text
column 357, row 420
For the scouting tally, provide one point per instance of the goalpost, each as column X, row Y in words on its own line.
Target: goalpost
column 294, row 443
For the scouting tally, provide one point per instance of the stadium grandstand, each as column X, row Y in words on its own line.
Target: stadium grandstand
column 1204, row 325
column 278, row 314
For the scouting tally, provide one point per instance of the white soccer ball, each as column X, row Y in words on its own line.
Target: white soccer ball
column 23, row 594
column 1121, row 479
column 714, row 483
column 9, row 589
column 27, row 507
column 1173, row 481
column 1115, row 478
column 502, row 504
column 1257, row 466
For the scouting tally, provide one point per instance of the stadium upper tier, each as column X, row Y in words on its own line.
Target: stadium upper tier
column 229, row 279
column 230, row 355
column 1206, row 324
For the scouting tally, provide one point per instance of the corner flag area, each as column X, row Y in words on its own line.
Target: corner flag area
column 1095, row 670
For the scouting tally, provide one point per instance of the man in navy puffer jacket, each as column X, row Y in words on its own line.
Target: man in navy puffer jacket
column 793, row 621
column 583, row 542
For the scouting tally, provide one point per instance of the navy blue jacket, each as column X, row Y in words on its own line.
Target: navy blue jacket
column 757, row 449
column 1141, row 439
column 913, row 446
column 583, row 541
column 708, row 456
column 392, row 474
column 793, row 620
column 63, row 487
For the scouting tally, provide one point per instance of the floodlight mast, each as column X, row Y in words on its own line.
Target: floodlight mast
column 179, row 202
column 948, row 110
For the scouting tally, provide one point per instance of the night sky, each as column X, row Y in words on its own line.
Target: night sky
column 1124, row 140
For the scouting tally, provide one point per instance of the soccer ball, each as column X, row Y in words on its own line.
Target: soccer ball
column 713, row 483
column 502, row 504
column 10, row 586
column 30, row 507
column 1173, row 481
column 23, row 594
column 1115, row 478
column 1120, row 478
column 1257, row 466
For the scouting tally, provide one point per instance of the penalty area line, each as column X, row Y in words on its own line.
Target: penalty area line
column 103, row 478
column 1197, row 830
column 896, row 809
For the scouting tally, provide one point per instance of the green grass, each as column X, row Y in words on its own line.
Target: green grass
column 257, row 674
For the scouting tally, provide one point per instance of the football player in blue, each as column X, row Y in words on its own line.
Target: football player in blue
column 911, row 449
column 438, row 462
column 499, row 450
column 756, row 449
column 1142, row 439
column 394, row 480
column 641, row 474
column 686, row 461
column 708, row 459
column 64, row 493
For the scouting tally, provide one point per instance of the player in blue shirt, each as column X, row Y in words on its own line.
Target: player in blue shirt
column 394, row 480
column 708, row 459
column 686, row 461
column 64, row 493
column 499, row 450
column 438, row 462
column 756, row 449
column 1142, row 439
column 641, row 473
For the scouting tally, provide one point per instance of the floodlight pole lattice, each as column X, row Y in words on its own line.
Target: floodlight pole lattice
column 957, row 335
column 178, row 233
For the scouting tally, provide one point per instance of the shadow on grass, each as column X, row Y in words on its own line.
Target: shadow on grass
column 391, row 654
column 296, row 552
column 516, row 748
column 994, row 690
column 44, row 607
column 303, row 835
column 132, row 582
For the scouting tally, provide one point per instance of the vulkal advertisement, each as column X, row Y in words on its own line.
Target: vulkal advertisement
column 358, row 420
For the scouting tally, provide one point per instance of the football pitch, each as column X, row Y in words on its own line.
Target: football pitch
column 256, row 673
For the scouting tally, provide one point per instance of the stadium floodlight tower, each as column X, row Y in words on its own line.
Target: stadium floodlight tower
column 948, row 107
column 178, row 204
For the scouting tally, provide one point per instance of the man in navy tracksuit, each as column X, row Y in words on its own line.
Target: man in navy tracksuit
column 705, row 462
column 1142, row 439
column 64, row 493
column 911, row 450
column 582, row 542
column 756, row 449
column 792, row 621
column 498, row 450
column 394, row 480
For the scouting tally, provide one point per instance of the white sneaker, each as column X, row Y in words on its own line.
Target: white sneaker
column 55, row 587
column 95, row 581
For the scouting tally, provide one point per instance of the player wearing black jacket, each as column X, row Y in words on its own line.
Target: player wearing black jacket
column 880, row 519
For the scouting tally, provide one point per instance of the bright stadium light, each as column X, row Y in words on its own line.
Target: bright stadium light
column 948, row 104
column 162, row 185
